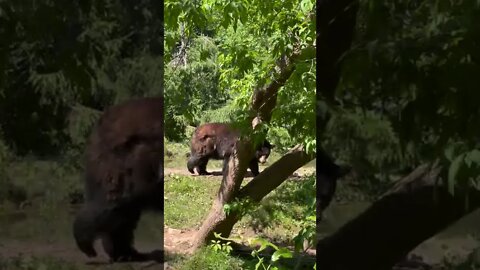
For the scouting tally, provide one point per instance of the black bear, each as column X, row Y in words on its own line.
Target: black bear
column 216, row 141
column 123, row 177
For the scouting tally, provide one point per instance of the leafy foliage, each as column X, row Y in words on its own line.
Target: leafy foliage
column 82, row 53
column 207, row 258
column 192, row 89
column 368, row 142
column 218, row 245
column 412, row 68
column 248, row 37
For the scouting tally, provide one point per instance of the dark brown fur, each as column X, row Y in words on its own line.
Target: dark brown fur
column 124, row 176
column 216, row 141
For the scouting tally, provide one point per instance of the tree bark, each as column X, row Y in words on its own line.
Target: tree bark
column 412, row 211
column 234, row 173
column 264, row 98
column 276, row 174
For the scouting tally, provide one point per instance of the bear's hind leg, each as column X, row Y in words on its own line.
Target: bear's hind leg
column 118, row 239
column 119, row 247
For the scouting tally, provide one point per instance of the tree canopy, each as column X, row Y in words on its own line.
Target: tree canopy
column 243, row 41
column 410, row 74
column 59, row 59
column 403, row 111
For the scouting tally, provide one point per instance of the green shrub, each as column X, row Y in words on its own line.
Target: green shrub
column 208, row 259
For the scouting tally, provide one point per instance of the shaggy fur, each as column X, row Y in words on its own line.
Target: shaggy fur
column 123, row 177
column 216, row 141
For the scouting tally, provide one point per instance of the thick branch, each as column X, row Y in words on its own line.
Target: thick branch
column 276, row 174
column 234, row 172
column 265, row 98
column 258, row 188
column 410, row 213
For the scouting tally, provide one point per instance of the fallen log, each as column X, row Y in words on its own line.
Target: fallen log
column 416, row 208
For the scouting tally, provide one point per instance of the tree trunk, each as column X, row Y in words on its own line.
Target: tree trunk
column 259, row 187
column 415, row 209
column 233, row 175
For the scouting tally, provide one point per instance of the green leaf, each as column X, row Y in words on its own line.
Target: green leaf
column 458, row 173
column 263, row 243
column 453, row 172
column 454, row 149
column 298, row 240
column 306, row 5
column 227, row 208
column 473, row 158
column 281, row 253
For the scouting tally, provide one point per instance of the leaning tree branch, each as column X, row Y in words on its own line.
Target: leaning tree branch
column 413, row 210
column 264, row 98
column 259, row 187
column 276, row 174
column 234, row 173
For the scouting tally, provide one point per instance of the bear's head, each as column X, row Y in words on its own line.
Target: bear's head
column 263, row 151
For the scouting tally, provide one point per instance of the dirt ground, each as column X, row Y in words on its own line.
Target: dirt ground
column 68, row 252
column 175, row 241
column 179, row 241
column 217, row 172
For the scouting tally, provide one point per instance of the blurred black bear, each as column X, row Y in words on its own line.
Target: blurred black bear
column 124, row 176
column 216, row 141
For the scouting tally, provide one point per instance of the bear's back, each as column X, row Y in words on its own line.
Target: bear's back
column 214, row 130
column 134, row 120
